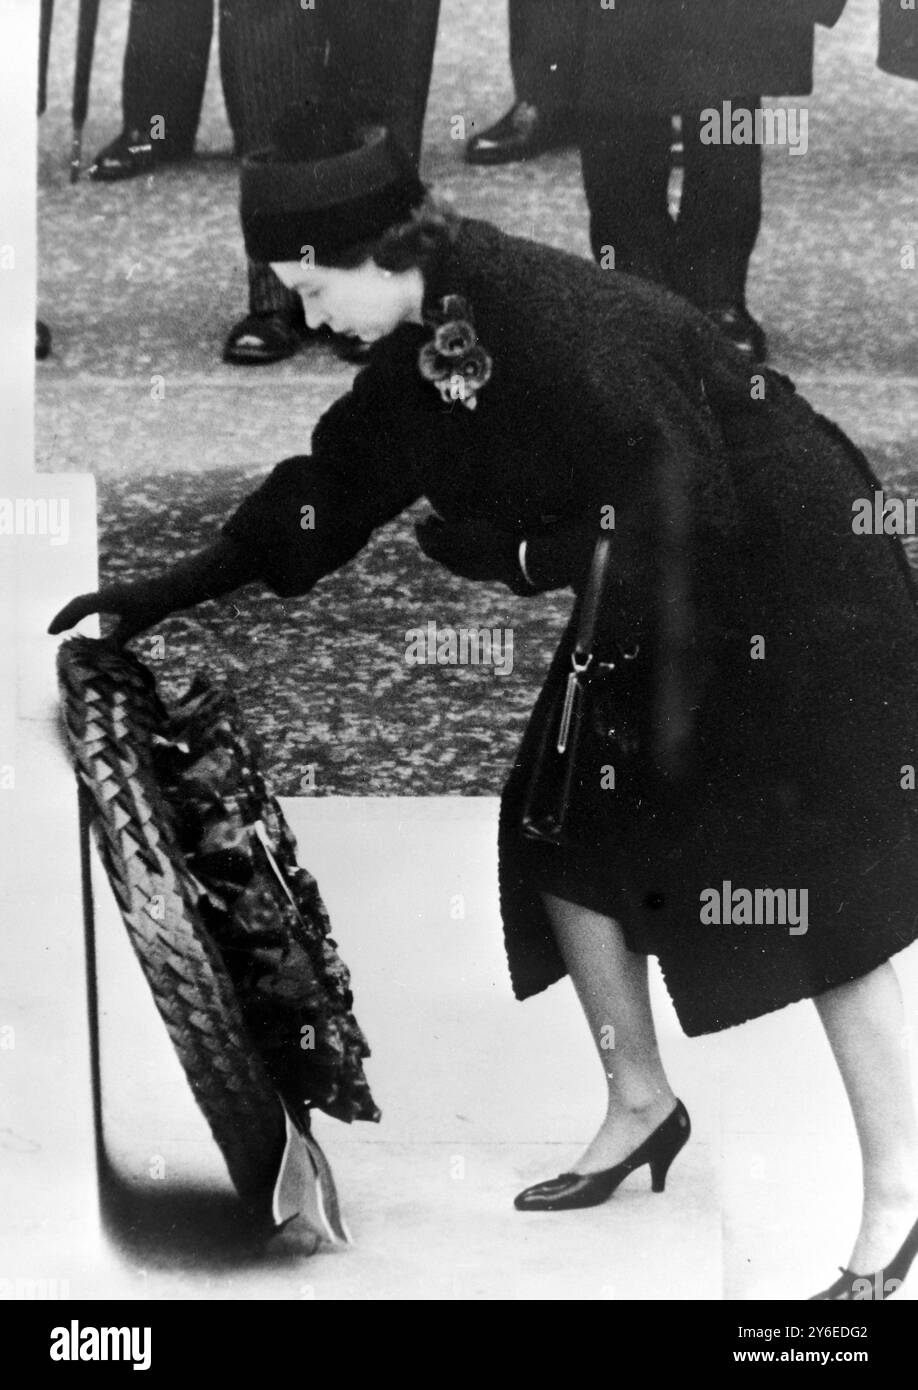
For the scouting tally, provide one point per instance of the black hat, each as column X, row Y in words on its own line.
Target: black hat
column 324, row 183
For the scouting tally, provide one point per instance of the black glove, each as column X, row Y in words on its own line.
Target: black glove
column 474, row 550
column 221, row 568
column 137, row 606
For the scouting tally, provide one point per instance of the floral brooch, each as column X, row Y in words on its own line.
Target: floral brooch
column 454, row 360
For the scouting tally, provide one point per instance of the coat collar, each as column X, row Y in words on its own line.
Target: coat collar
column 445, row 273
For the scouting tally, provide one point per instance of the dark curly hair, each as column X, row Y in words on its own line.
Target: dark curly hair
column 419, row 242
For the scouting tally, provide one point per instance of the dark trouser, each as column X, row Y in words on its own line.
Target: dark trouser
column 704, row 253
column 272, row 56
column 165, row 68
column 272, row 52
column 381, row 58
column 546, row 52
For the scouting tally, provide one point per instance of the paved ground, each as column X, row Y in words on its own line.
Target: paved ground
column 142, row 280
column 480, row 1097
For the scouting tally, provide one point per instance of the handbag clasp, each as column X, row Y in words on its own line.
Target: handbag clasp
column 570, row 695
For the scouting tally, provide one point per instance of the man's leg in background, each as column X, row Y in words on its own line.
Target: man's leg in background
column 381, row 62
column 625, row 152
column 718, row 226
column 720, row 214
column 272, row 57
column 162, row 87
column 546, row 54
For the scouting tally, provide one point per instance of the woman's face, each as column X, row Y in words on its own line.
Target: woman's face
column 361, row 302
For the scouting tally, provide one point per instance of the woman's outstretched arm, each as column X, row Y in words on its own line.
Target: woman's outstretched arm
column 217, row 570
column 311, row 515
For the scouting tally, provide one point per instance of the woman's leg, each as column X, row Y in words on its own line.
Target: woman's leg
column 611, row 983
column 865, row 1024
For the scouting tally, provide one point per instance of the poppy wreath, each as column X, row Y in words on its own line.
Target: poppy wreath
column 231, row 933
column 454, row 360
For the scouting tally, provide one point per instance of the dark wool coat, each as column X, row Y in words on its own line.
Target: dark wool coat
column 774, row 694
column 690, row 53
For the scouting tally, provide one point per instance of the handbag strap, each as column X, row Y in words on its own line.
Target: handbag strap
column 594, row 596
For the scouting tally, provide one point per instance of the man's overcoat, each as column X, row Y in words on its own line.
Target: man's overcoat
column 687, row 54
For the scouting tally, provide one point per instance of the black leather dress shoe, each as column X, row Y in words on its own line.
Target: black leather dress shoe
column 133, row 153
column 261, row 338
column 42, row 340
column 523, row 133
column 571, row 1190
column 742, row 330
column 350, row 349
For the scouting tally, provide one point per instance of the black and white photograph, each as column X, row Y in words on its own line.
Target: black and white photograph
column 459, row 747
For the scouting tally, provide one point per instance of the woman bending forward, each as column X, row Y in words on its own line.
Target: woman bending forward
column 762, row 635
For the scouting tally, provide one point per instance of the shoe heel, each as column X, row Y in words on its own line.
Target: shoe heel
column 658, row 1170
column 661, row 1161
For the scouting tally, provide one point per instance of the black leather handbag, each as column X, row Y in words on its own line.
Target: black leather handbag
column 591, row 729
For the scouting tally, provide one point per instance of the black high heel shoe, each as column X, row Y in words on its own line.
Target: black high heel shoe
column 880, row 1285
column 570, row 1190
